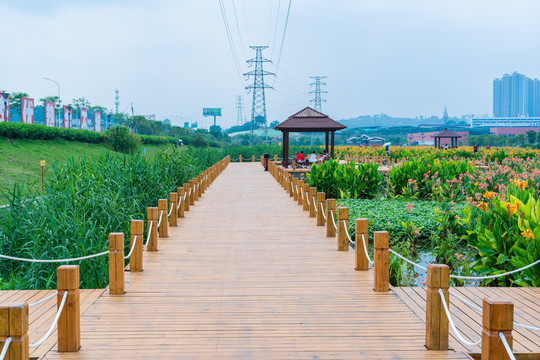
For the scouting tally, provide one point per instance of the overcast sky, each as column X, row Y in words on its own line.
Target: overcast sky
column 172, row 57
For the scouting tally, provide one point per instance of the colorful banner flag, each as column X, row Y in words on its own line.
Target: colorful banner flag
column 97, row 121
column 68, row 117
column 84, row 119
column 4, row 107
column 27, row 110
column 49, row 114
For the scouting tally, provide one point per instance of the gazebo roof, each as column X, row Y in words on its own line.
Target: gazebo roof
column 309, row 120
column 447, row 134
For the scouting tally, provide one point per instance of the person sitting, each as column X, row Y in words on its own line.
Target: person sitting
column 313, row 157
column 301, row 157
column 325, row 156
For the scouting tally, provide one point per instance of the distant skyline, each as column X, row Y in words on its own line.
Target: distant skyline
column 172, row 58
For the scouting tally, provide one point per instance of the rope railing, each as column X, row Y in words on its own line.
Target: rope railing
column 160, row 218
column 55, row 321
column 178, row 206
column 53, row 260
column 365, row 250
column 347, row 232
column 453, row 326
column 407, row 260
column 170, row 211
column 5, row 348
column 43, row 300
column 323, row 212
column 316, row 207
column 149, row 234
column 132, row 248
column 333, row 220
column 496, row 275
column 506, row 346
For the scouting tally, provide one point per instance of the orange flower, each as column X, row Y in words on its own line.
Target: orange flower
column 482, row 205
column 489, row 194
column 528, row 234
column 511, row 208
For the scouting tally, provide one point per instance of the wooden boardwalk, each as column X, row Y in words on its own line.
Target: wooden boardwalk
column 248, row 275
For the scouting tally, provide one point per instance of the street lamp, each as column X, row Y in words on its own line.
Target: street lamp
column 57, row 84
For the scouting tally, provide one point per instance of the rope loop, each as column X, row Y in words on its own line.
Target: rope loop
column 132, row 248
column 451, row 322
column 55, row 321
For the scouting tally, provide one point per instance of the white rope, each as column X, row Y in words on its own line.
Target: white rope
column 494, row 276
column 316, row 207
column 53, row 325
column 477, row 308
column 53, row 261
column 506, row 346
column 170, row 211
column 160, row 218
column 365, row 250
column 407, row 260
column 149, row 233
column 307, row 199
column 179, row 202
column 5, row 348
column 456, row 332
column 347, row 231
column 333, row 220
column 132, row 248
column 526, row 326
column 43, row 300
column 323, row 212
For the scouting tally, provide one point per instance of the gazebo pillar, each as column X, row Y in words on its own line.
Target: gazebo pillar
column 332, row 145
column 326, row 142
column 285, row 161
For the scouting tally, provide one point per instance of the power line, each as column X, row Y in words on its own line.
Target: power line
column 275, row 29
column 318, row 100
column 238, row 28
column 231, row 43
column 283, row 38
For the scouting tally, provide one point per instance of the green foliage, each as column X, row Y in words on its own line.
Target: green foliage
column 123, row 140
column 346, row 180
column 157, row 140
column 87, row 199
column 39, row 132
column 507, row 237
column 199, row 141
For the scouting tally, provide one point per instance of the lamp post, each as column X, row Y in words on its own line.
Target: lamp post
column 57, row 84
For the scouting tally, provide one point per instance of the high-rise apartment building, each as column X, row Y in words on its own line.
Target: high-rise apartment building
column 516, row 96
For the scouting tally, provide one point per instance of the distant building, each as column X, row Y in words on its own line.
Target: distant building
column 150, row 117
column 445, row 116
column 365, row 140
column 167, row 121
column 427, row 138
column 516, row 96
column 512, row 131
column 503, row 121
column 186, row 125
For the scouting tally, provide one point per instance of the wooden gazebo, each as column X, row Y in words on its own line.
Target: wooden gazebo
column 308, row 120
column 446, row 134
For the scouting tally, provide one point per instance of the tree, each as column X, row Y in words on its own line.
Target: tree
column 54, row 99
column 521, row 139
column 198, row 141
column 80, row 103
column 531, row 137
column 273, row 124
column 15, row 100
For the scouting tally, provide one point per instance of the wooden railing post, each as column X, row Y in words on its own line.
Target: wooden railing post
column 342, row 241
column 252, row 158
column 163, row 211
column 240, row 158
column 195, row 189
column 497, row 315
column 180, row 191
column 381, row 262
column 191, row 193
column 330, row 211
column 361, row 228
column 187, row 200
column 438, row 277
column 300, row 192
column 152, row 218
column 116, row 264
column 305, row 196
column 295, row 192
column 173, row 202
column 136, row 259
column 199, row 186
column 294, row 164
column 69, row 322
column 312, row 201
column 14, row 323
column 320, row 208
column 262, row 160
column 275, row 158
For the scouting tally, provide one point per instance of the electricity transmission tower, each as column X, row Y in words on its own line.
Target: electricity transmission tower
column 239, row 108
column 318, row 100
column 116, row 100
column 258, row 107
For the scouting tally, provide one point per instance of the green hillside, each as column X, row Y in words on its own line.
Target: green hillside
column 20, row 159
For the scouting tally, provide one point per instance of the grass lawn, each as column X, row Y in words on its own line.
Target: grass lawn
column 20, row 159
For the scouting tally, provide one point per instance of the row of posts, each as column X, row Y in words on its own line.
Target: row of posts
column 497, row 314
column 14, row 315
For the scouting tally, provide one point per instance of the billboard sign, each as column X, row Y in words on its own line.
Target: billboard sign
column 27, row 110
column 4, row 107
column 211, row 111
column 68, row 116
column 84, row 119
column 97, row 121
column 49, row 114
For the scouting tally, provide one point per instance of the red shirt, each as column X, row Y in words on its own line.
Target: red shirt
column 301, row 157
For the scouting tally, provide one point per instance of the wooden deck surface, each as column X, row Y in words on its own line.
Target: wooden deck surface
column 248, row 275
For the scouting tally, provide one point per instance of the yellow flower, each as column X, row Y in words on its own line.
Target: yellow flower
column 523, row 185
column 512, row 209
column 489, row 194
column 518, row 203
column 528, row 234
column 482, row 205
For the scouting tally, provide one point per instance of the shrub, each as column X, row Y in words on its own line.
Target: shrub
column 12, row 130
column 123, row 140
column 157, row 140
column 199, row 141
